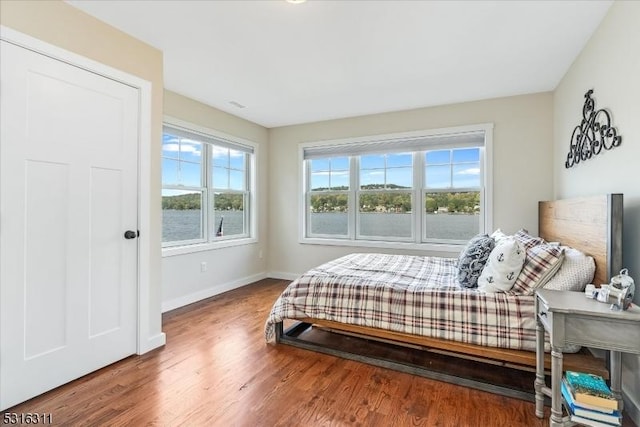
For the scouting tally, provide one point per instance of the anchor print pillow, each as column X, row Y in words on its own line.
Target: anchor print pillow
column 503, row 266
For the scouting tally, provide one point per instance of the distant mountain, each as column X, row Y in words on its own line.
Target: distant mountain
column 364, row 187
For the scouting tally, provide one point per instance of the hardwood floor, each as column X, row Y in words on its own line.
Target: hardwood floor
column 217, row 370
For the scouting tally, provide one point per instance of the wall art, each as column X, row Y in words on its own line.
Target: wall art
column 593, row 134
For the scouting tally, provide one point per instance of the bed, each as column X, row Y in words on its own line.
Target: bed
column 498, row 328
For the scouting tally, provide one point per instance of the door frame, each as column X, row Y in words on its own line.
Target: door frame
column 144, row 341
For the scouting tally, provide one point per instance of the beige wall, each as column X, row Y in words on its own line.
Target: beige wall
column 522, row 141
column 62, row 25
column 609, row 64
column 182, row 280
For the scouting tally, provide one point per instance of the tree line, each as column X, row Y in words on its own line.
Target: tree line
column 389, row 201
column 382, row 201
column 221, row 202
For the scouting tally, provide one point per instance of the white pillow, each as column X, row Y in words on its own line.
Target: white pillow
column 576, row 272
column 503, row 266
column 499, row 235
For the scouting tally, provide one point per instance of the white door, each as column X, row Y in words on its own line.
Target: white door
column 68, row 181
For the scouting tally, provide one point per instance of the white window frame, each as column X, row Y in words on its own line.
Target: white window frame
column 250, row 202
column 418, row 191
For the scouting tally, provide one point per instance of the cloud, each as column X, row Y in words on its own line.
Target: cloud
column 175, row 144
column 171, row 147
column 217, row 152
column 470, row 171
column 185, row 146
column 182, row 145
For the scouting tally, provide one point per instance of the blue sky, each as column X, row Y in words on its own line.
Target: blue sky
column 182, row 164
column 452, row 168
column 458, row 168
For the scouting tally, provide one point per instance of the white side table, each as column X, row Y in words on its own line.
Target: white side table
column 572, row 318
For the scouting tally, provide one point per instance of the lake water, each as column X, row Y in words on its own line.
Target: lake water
column 185, row 224
column 439, row 226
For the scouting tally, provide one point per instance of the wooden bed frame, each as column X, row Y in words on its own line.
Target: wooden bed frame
column 592, row 225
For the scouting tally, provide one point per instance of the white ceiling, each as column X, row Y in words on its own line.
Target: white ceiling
column 297, row 63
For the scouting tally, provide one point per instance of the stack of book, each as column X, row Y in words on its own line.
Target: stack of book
column 589, row 400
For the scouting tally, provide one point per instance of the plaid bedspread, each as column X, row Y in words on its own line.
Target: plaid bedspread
column 410, row 294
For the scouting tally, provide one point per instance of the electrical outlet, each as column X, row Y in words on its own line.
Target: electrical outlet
column 203, row 267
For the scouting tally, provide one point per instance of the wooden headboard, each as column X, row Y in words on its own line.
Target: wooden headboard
column 592, row 225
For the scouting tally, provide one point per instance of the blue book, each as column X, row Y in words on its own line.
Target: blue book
column 590, row 389
column 590, row 423
column 589, row 412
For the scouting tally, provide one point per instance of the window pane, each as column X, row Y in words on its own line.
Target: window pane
column 438, row 176
column 181, row 215
column 372, row 178
column 190, row 174
column 181, row 161
column 170, row 146
column 220, row 177
column 229, row 219
column 170, row 172
column 329, row 202
column 372, row 161
column 319, row 165
column 190, row 150
column 319, row 181
column 385, row 214
column 340, row 163
column 236, row 180
column 401, row 159
column 237, row 160
column 340, row 180
column 386, row 171
column 329, row 214
column 438, row 157
column 452, row 216
column 466, row 155
column 220, row 156
column 466, row 175
column 400, row 177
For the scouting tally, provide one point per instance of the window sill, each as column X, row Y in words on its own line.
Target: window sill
column 432, row 247
column 201, row 247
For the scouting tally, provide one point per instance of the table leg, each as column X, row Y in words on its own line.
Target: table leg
column 616, row 377
column 539, row 383
column 556, row 378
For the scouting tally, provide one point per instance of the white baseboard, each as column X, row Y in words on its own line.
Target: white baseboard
column 282, row 275
column 209, row 292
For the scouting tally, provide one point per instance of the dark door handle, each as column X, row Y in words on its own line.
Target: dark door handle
column 130, row 234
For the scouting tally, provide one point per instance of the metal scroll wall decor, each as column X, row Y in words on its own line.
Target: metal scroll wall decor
column 592, row 134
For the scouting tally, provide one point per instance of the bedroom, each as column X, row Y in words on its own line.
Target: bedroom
column 540, row 123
